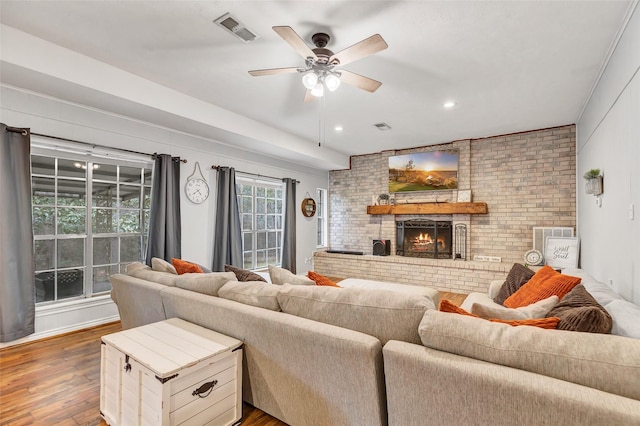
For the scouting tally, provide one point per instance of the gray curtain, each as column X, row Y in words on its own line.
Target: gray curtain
column 17, row 279
column 289, row 231
column 165, row 232
column 227, row 240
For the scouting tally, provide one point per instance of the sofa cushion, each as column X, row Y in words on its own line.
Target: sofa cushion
column 548, row 323
column 625, row 315
column 283, row 276
column 254, row 293
column 384, row 285
column 539, row 309
column 162, row 265
column 606, row 362
column 321, row 279
column 386, row 315
column 243, row 274
column 146, row 273
column 184, row 267
column 626, row 318
column 544, row 283
column 579, row 311
column 517, row 277
column 206, row 283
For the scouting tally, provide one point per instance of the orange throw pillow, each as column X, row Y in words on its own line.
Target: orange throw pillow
column 547, row 323
column 183, row 267
column 321, row 279
column 545, row 283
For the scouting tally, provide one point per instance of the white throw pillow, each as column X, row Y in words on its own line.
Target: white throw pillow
column 534, row 310
column 162, row 265
column 283, row 276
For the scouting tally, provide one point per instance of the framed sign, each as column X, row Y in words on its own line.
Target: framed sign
column 464, row 196
column 308, row 207
column 561, row 252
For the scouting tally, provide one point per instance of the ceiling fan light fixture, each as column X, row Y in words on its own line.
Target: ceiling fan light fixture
column 332, row 82
column 318, row 90
column 310, row 80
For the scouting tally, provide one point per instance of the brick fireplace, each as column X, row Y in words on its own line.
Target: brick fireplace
column 526, row 179
column 432, row 239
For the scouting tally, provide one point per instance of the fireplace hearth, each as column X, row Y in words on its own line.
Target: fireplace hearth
column 424, row 238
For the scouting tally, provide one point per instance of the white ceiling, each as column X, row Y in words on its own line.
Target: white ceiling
column 510, row 66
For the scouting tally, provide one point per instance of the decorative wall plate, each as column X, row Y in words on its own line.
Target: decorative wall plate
column 533, row 257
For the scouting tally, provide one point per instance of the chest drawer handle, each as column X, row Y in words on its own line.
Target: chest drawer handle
column 127, row 366
column 205, row 388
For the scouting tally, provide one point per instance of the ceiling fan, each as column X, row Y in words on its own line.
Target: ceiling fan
column 320, row 64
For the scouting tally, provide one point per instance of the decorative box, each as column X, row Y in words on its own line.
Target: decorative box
column 170, row 373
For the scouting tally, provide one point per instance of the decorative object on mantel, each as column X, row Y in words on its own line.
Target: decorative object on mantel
column 196, row 188
column 464, row 196
column 533, row 258
column 594, row 182
column 430, row 208
column 561, row 252
column 460, row 241
column 308, row 206
column 383, row 199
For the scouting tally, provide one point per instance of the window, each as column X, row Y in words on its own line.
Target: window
column 321, row 215
column 90, row 219
column 260, row 204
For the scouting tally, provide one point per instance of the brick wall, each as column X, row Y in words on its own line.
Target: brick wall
column 527, row 179
column 443, row 275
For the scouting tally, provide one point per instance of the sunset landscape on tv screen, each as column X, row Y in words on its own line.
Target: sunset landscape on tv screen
column 424, row 171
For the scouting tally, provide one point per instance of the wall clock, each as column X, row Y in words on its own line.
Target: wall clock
column 309, row 207
column 196, row 188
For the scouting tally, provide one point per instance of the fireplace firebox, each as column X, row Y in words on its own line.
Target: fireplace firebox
column 424, row 238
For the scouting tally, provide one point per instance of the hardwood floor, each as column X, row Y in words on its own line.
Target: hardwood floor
column 455, row 298
column 56, row 381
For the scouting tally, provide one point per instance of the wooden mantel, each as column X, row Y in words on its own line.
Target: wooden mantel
column 430, row 208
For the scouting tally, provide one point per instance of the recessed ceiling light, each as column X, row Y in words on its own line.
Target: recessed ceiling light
column 449, row 104
column 338, row 128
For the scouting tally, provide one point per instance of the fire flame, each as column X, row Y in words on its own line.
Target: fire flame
column 424, row 239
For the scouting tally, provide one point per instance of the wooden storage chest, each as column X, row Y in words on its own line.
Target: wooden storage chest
column 170, row 373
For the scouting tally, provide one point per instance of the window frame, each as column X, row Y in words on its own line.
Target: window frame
column 247, row 180
column 321, row 218
column 57, row 150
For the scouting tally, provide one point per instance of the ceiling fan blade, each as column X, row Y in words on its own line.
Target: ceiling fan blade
column 366, row 47
column 295, row 41
column 272, row 71
column 360, row 81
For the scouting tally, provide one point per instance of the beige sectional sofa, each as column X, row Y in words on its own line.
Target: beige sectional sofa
column 474, row 372
column 380, row 353
column 312, row 355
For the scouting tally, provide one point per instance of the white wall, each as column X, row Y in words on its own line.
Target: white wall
column 58, row 118
column 608, row 138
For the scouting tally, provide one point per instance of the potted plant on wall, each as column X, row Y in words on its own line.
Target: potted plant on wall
column 594, row 182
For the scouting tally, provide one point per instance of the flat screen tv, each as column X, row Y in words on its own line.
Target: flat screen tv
column 424, row 171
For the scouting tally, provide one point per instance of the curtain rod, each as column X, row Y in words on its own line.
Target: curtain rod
column 101, row 146
column 24, row 132
column 214, row 167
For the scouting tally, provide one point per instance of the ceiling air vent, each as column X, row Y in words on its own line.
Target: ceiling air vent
column 236, row 28
column 382, row 126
